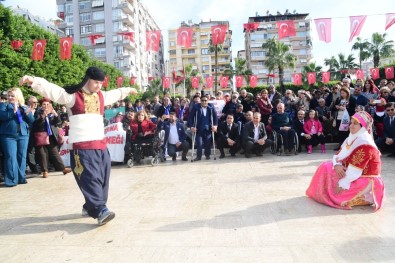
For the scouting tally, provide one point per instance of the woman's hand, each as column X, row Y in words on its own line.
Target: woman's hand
column 340, row 171
column 148, row 133
column 338, row 189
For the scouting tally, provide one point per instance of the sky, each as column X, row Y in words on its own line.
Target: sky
column 170, row 13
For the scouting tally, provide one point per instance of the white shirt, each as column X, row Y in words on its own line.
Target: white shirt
column 173, row 134
column 256, row 133
column 204, row 111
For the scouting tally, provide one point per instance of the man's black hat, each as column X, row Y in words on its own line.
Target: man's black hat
column 91, row 73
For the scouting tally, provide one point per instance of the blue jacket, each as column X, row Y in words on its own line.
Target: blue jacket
column 9, row 120
column 180, row 130
column 197, row 111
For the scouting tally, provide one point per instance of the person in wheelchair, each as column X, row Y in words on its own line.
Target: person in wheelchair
column 143, row 130
column 282, row 124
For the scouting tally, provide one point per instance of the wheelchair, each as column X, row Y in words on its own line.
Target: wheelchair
column 278, row 144
column 136, row 151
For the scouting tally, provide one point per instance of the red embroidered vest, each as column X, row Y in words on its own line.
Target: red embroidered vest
column 89, row 103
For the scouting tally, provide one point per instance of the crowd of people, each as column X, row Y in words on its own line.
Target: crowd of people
column 30, row 134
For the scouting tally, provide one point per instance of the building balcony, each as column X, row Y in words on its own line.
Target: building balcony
column 62, row 25
column 126, row 7
column 128, row 44
column 127, row 19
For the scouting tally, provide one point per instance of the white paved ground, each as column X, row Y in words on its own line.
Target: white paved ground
column 230, row 210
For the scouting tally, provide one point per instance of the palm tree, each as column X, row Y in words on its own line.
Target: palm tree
column 379, row 47
column 239, row 70
column 215, row 49
column 278, row 56
column 188, row 73
column 341, row 63
column 154, row 88
column 363, row 47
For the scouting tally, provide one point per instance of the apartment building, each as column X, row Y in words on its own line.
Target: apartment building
column 105, row 19
column 199, row 54
column 301, row 44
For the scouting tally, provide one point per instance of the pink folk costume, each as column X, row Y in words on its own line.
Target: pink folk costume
column 362, row 184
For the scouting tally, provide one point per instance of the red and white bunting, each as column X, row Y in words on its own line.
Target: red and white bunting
column 239, row 81
column 297, row 77
column 374, row 73
column 209, row 81
column 253, row 81
column 324, row 29
column 184, row 36
column 286, row 28
column 195, row 82
column 152, row 40
column 218, row 34
column 166, row 82
column 65, row 44
column 356, row 24
column 311, row 77
column 39, row 49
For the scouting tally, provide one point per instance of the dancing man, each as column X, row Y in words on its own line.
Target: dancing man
column 89, row 157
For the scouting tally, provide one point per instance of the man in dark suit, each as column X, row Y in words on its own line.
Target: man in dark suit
column 282, row 124
column 228, row 136
column 203, row 121
column 165, row 109
column 298, row 127
column 274, row 95
column 387, row 142
column 255, row 137
column 175, row 137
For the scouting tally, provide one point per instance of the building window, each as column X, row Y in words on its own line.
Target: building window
column 69, row 19
column 205, row 68
column 303, row 60
column 173, row 61
column 99, row 27
column 172, row 35
column 86, row 29
column 100, row 40
column 117, row 26
column 204, row 42
column 85, row 17
column 301, row 34
column 100, row 52
column 69, row 31
column 205, row 59
column 97, row 3
column 302, row 24
column 172, row 52
column 191, row 51
column 191, row 60
column 85, row 41
column 205, row 51
column 172, row 43
column 69, row 9
column 118, row 50
column 84, row 5
column 116, row 14
column 117, row 38
column 99, row 15
column 258, row 53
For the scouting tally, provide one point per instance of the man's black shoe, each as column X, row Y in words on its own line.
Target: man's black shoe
column 174, row 157
column 222, row 156
column 207, row 157
column 259, row 154
column 233, row 154
column 184, row 159
column 197, row 159
column 248, row 155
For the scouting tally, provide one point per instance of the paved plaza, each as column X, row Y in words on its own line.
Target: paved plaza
column 228, row 210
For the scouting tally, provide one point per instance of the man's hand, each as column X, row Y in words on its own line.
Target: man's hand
column 133, row 91
column 340, row 171
column 261, row 141
column 389, row 141
column 230, row 142
column 26, row 80
column 214, row 128
column 178, row 144
column 307, row 136
column 193, row 129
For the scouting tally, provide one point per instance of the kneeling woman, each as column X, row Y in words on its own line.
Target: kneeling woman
column 352, row 178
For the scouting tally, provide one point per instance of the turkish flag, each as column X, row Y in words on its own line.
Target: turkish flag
column 184, row 36
column 127, row 35
column 166, row 82
column 16, row 44
column 326, row 76
column 297, row 78
column 152, row 40
column 105, row 82
column 195, row 82
column 239, row 81
column 39, row 49
column 390, row 20
column 209, row 81
column 251, row 26
column 324, row 29
column 356, row 24
column 253, row 81
column 151, row 78
column 374, row 73
column 218, row 34
column 344, row 71
column 389, row 72
column 286, row 28
column 65, row 48
column 311, row 77
column 119, row 81
column 93, row 38
column 132, row 80
column 224, row 81
column 359, row 73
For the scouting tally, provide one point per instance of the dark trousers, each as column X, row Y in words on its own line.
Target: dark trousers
column 91, row 169
column 223, row 143
column 172, row 149
column 380, row 142
column 288, row 138
column 14, row 158
column 203, row 139
column 31, row 155
column 50, row 153
column 315, row 140
column 341, row 135
column 251, row 147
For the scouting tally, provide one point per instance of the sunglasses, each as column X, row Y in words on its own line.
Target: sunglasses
column 203, row 100
column 388, row 110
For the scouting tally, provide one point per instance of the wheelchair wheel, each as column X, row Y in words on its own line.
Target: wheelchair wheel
column 273, row 147
column 130, row 162
column 155, row 161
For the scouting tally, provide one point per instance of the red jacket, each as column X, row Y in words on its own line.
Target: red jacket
column 308, row 124
column 146, row 125
column 264, row 108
